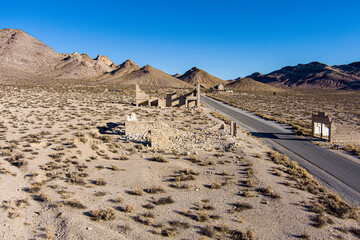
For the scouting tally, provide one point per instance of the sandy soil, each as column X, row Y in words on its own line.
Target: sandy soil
column 62, row 161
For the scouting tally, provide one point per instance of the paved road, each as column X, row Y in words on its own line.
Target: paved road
column 336, row 172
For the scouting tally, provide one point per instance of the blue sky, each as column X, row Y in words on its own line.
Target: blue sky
column 225, row 38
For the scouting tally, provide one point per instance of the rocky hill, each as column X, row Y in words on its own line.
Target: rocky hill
column 20, row 52
column 248, row 84
column 205, row 79
column 77, row 66
column 114, row 76
column 149, row 76
column 311, row 75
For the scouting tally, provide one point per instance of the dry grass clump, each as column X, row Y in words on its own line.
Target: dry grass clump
column 148, row 206
column 355, row 231
column 42, row 197
column 169, row 232
column 102, row 214
column 99, row 182
column 114, row 168
column 123, row 157
column 208, row 231
column 184, row 177
column 17, row 160
column 215, row 185
column 333, row 205
column 136, row 192
column 248, row 235
column 303, row 180
column 321, row 221
column 127, row 208
column 164, row 200
column 143, row 220
column 116, row 200
column 352, row 148
column 159, row 158
column 155, row 190
column 75, row 204
column 179, row 224
column 241, row 206
column 269, row 192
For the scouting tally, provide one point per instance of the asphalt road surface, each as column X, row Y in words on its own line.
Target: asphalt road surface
column 340, row 174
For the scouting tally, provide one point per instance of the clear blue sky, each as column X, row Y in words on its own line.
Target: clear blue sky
column 225, row 38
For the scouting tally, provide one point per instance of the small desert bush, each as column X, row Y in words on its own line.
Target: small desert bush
column 269, row 192
column 159, row 158
column 123, row 157
column 75, row 204
column 241, row 206
column 154, row 190
column 103, row 214
column 178, row 224
column 215, row 185
column 136, row 192
column 99, row 182
column 321, row 221
column 127, row 208
column 164, row 200
column 142, row 220
column 169, row 232
column 184, row 177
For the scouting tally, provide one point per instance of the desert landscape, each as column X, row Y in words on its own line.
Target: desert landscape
column 76, row 162
column 69, row 171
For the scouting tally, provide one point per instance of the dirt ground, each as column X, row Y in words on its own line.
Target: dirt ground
column 68, row 171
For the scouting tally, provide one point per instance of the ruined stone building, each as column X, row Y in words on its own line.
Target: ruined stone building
column 324, row 128
column 191, row 99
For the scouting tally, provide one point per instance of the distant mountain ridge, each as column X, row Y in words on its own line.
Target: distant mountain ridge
column 22, row 54
column 312, row 75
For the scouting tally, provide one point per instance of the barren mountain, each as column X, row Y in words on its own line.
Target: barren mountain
column 352, row 68
column 248, row 84
column 149, row 76
column 115, row 76
column 20, row 52
column 311, row 75
column 205, row 79
column 78, row 65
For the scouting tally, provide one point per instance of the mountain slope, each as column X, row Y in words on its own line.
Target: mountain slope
column 21, row 52
column 115, row 76
column 205, row 79
column 311, row 75
column 149, row 76
column 77, row 66
column 248, row 84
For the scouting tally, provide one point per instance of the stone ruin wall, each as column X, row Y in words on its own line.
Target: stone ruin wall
column 345, row 134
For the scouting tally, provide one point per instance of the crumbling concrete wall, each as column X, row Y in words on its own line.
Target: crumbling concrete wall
column 345, row 134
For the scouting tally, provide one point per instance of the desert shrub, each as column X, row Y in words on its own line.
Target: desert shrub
column 154, row 190
column 215, row 185
column 164, row 200
column 127, row 208
column 241, row 206
column 208, row 231
column 136, row 192
column 321, row 220
column 169, row 232
column 268, row 192
column 99, row 182
column 102, row 214
column 333, row 205
column 355, row 231
column 142, row 220
column 159, row 158
column 123, row 157
column 75, row 204
column 179, row 224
